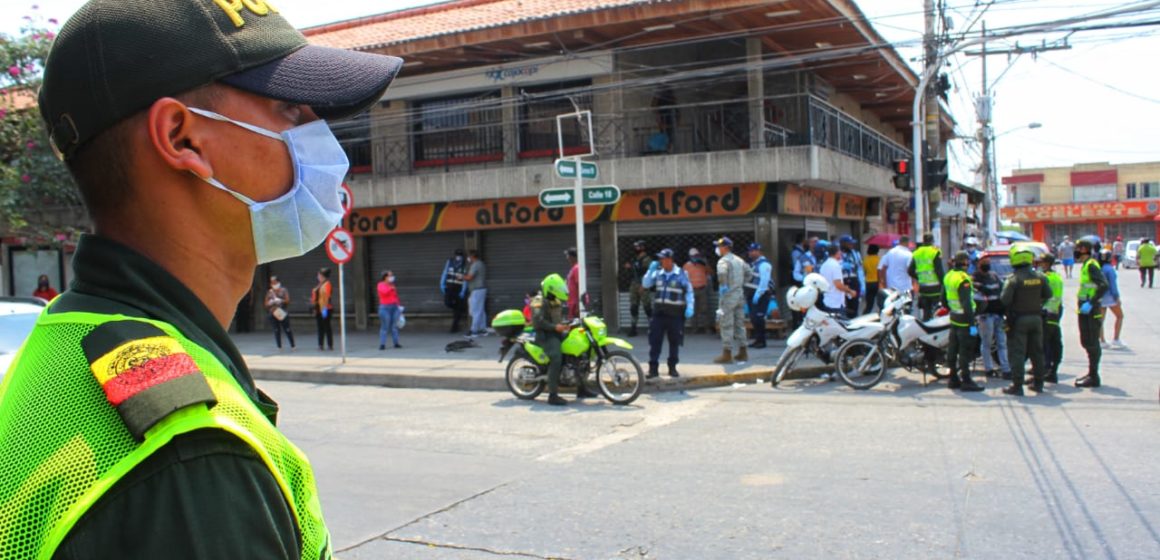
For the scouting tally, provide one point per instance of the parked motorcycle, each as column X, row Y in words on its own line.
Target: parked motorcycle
column 601, row 362
column 820, row 333
column 906, row 341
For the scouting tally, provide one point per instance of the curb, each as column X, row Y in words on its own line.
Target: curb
column 462, row 383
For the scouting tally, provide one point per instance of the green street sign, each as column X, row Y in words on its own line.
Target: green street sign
column 555, row 198
column 596, row 195
column 601, row 194
column 566, row 169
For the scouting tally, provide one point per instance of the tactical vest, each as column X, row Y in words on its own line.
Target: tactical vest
column 670, row 293
column 79, row 412
column 850, row 266
column 1028, row 291
column 751, row 285
column 1054, row 306
column 924, row 258
column 1087, row 288
column 955, row 279
column 455, row 274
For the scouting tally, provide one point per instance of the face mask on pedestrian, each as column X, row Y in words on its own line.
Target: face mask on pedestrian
column 718, row 251
column 298, row 221
column 985, row 267
column 391, row 279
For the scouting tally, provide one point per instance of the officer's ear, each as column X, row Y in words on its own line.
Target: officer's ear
column 176, row 137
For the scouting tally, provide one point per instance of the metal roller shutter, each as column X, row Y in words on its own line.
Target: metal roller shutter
column 1129, row 230
column 670, row 227
column 417, row 261
column 299, row 275
column 517, row 260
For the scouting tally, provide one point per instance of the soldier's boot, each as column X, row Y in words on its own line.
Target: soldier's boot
column 653, row 370
column 742, row 354
column 953, row 381
column 968, row 385
column 632, row 329
column 1052, row 375
column 582, row 391
column 1013, row 390
column 673, row 370
column 726, row 357
column 1089, row 380
column 556, row 400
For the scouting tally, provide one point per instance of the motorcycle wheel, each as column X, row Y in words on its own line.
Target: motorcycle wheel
column 520, row 377
column 861, row 364
column 620, row 377
column 785, row 365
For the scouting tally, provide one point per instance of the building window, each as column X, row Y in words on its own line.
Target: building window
column 1093, row 193
column 355, row 137
column 538, row 118
column 1024, row 194
column 1150, row 189
column 459, row 130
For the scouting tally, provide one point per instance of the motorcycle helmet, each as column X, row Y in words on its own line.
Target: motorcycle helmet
column 801, row 298
column 553, row 285
column 817, row 282
column 1105, row 256
column 1021, row 255
column 1091, row 242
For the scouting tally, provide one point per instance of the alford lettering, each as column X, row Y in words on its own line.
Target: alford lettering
column 679, row 202
column 514, row 212
column 389, row 222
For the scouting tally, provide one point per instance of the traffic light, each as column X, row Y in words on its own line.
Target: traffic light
column 934, row 174
column 902, row 174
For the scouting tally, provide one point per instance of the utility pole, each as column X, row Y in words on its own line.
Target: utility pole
column 983, row 110
column 933, row 117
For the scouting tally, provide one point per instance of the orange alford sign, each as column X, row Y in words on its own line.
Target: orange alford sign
column 851, row 207
column 1129, row 210
column 801, row 201
column 412, row 218
column 683, row 202
column 508, row 213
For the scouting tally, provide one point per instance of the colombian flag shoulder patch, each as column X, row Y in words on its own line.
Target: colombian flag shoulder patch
column 145, row 373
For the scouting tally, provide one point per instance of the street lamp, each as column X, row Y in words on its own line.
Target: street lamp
column 993, row 176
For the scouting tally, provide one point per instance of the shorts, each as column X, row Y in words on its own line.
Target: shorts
column 1068, row 262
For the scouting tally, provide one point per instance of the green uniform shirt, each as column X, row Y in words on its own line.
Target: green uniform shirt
column 1025, row 292
column 1146, row 255
column 179, row 492
column 960, row 296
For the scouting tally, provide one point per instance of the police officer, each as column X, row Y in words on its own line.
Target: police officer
column 1052, row 312
column 454, row 288
column 130, row 425
column 731, row 275
column 550, row 327
column 964, row 333
column 1092, row 287
column 758, row 291
column 1024, row 294
column 927, row 268
column 804, row 262
column 637, row 294
column 853, row 276
column 672, row 304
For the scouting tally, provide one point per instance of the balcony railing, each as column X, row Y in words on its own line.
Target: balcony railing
column 708, row 126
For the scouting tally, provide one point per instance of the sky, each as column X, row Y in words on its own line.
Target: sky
column 1097, row 102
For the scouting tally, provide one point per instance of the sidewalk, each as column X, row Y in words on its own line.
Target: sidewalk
column 423, row 363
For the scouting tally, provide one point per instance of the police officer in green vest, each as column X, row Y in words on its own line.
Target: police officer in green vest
column 1092, row 286
column 1052, row 312
column 926, row 267
column 1025, row 293
column 964, row 333
column 129, row 424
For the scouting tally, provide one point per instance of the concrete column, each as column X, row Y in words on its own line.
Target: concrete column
column 756, row 94
column 390, row 138
column 609, row 271
column 607, row 122
column 361, row 276
column 511, row 126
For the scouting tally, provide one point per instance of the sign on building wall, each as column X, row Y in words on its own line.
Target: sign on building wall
column 1131, row 210
column 802, row 201
column 412, row 218
column 851, row 207
column 508, row 213
column 689, row 202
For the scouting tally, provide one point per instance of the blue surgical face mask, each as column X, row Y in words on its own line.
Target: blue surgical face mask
column 298, row 221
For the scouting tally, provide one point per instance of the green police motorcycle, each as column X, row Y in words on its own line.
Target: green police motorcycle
column 591, row 357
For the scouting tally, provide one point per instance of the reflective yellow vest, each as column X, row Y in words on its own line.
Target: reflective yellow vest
column 924, row 258
column 1054, row 305
column 64, row 443
column 954, row 279
column 1087, row 288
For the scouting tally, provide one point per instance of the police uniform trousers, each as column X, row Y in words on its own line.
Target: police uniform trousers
column 1052, row 346
column 1026, row 341
column 757, row 316
column 928, row 304
column 961, row 350
column 665, row 325
column 1089, row 338
column 550, row 342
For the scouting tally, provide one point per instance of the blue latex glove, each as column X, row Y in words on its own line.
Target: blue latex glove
column 723, row 290
column 325, row 313
column 756, row 298
column 974, row 330
column 1086, row 308
column 653, row 266
column 688, row 312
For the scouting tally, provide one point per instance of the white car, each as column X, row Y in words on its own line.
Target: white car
column 1130, row 253
column 17, row 317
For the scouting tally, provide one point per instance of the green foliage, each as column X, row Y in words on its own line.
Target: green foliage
column 35, row 186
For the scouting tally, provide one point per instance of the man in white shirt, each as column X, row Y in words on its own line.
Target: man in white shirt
column 834, row 300
column 892, row 269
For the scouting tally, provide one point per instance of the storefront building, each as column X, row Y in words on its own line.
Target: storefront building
column 1086, row 199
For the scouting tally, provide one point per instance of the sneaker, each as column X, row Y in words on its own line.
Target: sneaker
column 1104, row 344
column 1119, row 345
column 397, row 345
column 827, row 377
column 382, row 347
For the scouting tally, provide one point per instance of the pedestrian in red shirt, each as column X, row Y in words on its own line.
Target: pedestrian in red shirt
column 43, row 289
column 389, row 310
column 573, row 282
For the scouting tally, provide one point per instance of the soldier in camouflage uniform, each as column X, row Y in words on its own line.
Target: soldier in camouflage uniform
column 732, row 272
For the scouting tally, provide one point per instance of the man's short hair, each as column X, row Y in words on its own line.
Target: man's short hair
column 928, row 238
column 904, row 240
column 833, row 249
column 473, row 253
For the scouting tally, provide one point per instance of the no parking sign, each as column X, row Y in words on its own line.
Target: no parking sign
column 340, row 246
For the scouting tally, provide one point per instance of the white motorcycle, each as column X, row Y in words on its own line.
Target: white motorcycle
column 820, row 333
column 905, row 341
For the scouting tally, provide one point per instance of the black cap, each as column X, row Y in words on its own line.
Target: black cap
column 665, row 254
column 114, row 58
column 755, row 246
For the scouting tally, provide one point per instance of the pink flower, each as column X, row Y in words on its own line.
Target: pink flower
column 29, row 67
column 52, row 21
column 50, row 35
column 26, row 178
column 3, row 113
column 31, row 145
column 14, row 71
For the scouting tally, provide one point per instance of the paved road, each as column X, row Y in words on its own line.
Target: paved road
column 810, row 470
